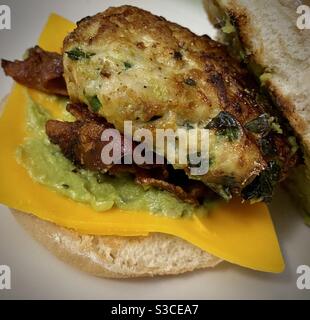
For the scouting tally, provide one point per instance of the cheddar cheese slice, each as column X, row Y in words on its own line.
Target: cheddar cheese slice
column 239, row 233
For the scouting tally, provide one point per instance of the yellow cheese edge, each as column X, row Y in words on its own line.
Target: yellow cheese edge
column 239, row 233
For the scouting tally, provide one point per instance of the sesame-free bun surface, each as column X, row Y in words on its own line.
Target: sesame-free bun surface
column 115, row 256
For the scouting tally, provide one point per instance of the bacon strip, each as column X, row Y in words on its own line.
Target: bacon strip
column 42, row 70
column 147, row 180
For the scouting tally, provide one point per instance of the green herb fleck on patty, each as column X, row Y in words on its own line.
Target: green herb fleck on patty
column 259, row 125
column 190, row 82
column 95, row 103
column 78, row 54
column 225, row 125
column 127, row 65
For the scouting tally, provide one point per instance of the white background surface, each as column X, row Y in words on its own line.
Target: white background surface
column 37, row 274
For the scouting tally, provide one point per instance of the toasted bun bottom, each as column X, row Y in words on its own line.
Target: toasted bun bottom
column 115, row 256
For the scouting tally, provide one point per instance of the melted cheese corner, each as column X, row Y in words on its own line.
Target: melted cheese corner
column 239, row 233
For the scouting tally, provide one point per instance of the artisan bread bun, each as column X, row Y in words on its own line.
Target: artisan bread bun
column 268, row 32
column 118, row 257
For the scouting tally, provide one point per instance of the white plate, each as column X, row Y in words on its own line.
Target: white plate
column 38, row 274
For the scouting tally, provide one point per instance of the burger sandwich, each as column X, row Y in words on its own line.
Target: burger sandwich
column 110, row 200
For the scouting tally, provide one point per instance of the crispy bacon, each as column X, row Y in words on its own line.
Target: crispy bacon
column 41, row 70
column 81, row 112
column 163, row 177
column 79, row 141
column 144, row 178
